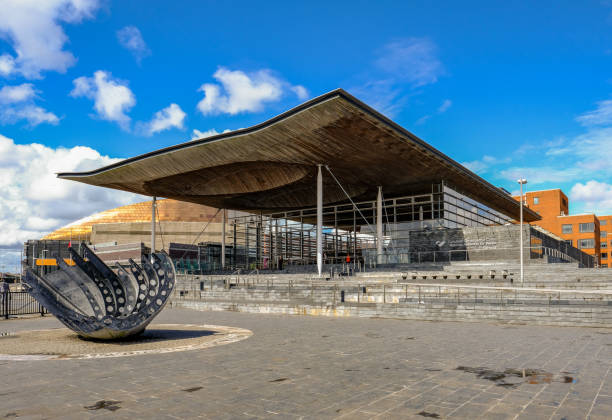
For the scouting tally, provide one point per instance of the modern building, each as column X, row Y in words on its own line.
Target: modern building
column 605, row 241
column 587, row 232
column 328, row 181
column 178, row 221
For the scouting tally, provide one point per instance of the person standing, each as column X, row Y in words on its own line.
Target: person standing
column 4, row 294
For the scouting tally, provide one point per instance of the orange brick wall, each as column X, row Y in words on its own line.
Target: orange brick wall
column 605, row 247
column 576, row 234
column 553, row 207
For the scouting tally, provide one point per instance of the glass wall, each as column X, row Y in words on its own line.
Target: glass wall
column 275, row 240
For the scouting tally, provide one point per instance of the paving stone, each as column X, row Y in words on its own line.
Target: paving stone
column 320, row 367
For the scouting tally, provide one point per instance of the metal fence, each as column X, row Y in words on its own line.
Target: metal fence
column 19, row 303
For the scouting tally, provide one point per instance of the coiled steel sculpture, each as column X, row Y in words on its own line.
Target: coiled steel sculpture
column 95, row 302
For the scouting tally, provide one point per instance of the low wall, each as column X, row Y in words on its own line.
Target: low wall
column 511, row 314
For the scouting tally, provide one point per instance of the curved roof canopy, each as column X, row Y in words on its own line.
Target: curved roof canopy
column 272, row 166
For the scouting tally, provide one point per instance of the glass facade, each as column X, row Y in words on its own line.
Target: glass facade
column 275, row 239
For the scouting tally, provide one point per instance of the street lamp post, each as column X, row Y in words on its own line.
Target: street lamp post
column 521, row 182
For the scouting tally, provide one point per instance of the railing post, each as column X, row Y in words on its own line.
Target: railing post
column 6, row 298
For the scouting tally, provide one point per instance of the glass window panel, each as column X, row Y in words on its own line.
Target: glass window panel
column 587, row 227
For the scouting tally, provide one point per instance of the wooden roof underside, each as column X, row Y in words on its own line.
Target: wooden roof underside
column 272, row 166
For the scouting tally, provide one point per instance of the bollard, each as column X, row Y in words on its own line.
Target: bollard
column 342, row 296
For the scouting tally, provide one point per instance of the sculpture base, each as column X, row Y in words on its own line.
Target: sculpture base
column 62, row 343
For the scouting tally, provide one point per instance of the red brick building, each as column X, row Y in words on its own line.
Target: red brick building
column 586, row 232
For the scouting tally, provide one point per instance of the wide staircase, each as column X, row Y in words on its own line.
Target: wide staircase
column 550, row 294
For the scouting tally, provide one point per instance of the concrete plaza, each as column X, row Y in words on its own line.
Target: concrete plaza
column 320, row 367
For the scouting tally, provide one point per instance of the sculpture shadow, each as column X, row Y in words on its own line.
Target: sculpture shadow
column 155, row 335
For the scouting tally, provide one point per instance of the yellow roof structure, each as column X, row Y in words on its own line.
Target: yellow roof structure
column 167, row 211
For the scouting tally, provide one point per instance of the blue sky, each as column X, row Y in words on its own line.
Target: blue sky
column 507, row 88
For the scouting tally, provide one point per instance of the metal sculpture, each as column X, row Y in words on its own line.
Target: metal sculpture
column 95, row 302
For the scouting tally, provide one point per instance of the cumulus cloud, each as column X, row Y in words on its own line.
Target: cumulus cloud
column 596, row 196
column 131, row 39
column 197, row 134
column 35, row 202
column 33, row 114
column 112, row 97
column 17, row 104
column 170, row 117
column 18, row 93
column 240, row 92
column 33, row 29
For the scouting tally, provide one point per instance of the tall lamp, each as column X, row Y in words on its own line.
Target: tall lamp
column 521, row 181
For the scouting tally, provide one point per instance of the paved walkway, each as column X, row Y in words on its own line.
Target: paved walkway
column 323, row 367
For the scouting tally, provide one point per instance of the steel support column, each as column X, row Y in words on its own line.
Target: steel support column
column 223, row 222
column 153, row 208
column 379, row 227
column 319, row 220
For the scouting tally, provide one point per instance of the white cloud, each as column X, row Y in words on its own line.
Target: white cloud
column 197, row 134
column 542, row 174
column 170, row 117
column 595, row 196
column 131, row 39
column 17, row 103
column 33, row 114
column 112, row 98
column 243, row 92
column 34, row 201
column 411, row 60
column 300, row 91
column 18, row 93
column 33, row 29
column 400, row 68
column 602, row 115
column 446, row 104
column 483, row 165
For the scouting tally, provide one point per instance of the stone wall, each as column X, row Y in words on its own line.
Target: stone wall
column 485, row 243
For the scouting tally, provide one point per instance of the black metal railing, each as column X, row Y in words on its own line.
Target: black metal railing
column 19, row 303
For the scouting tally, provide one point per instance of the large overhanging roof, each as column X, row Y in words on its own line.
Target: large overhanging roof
column 272, row 166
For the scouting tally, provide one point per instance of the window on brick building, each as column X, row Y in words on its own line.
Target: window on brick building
column 587, row 227
column 569, row 242
column 603, row 222
column 604, row 255
column 604, row 266
column 603, row 234
column 586, row 243
column 567, row 228
column 536, row 200
column 604, row 245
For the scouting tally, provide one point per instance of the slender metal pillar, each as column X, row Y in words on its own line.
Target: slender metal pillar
column 319, row 220
column 521, row 181
column 223, row 222
column 153, row 205
column 379, row 227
